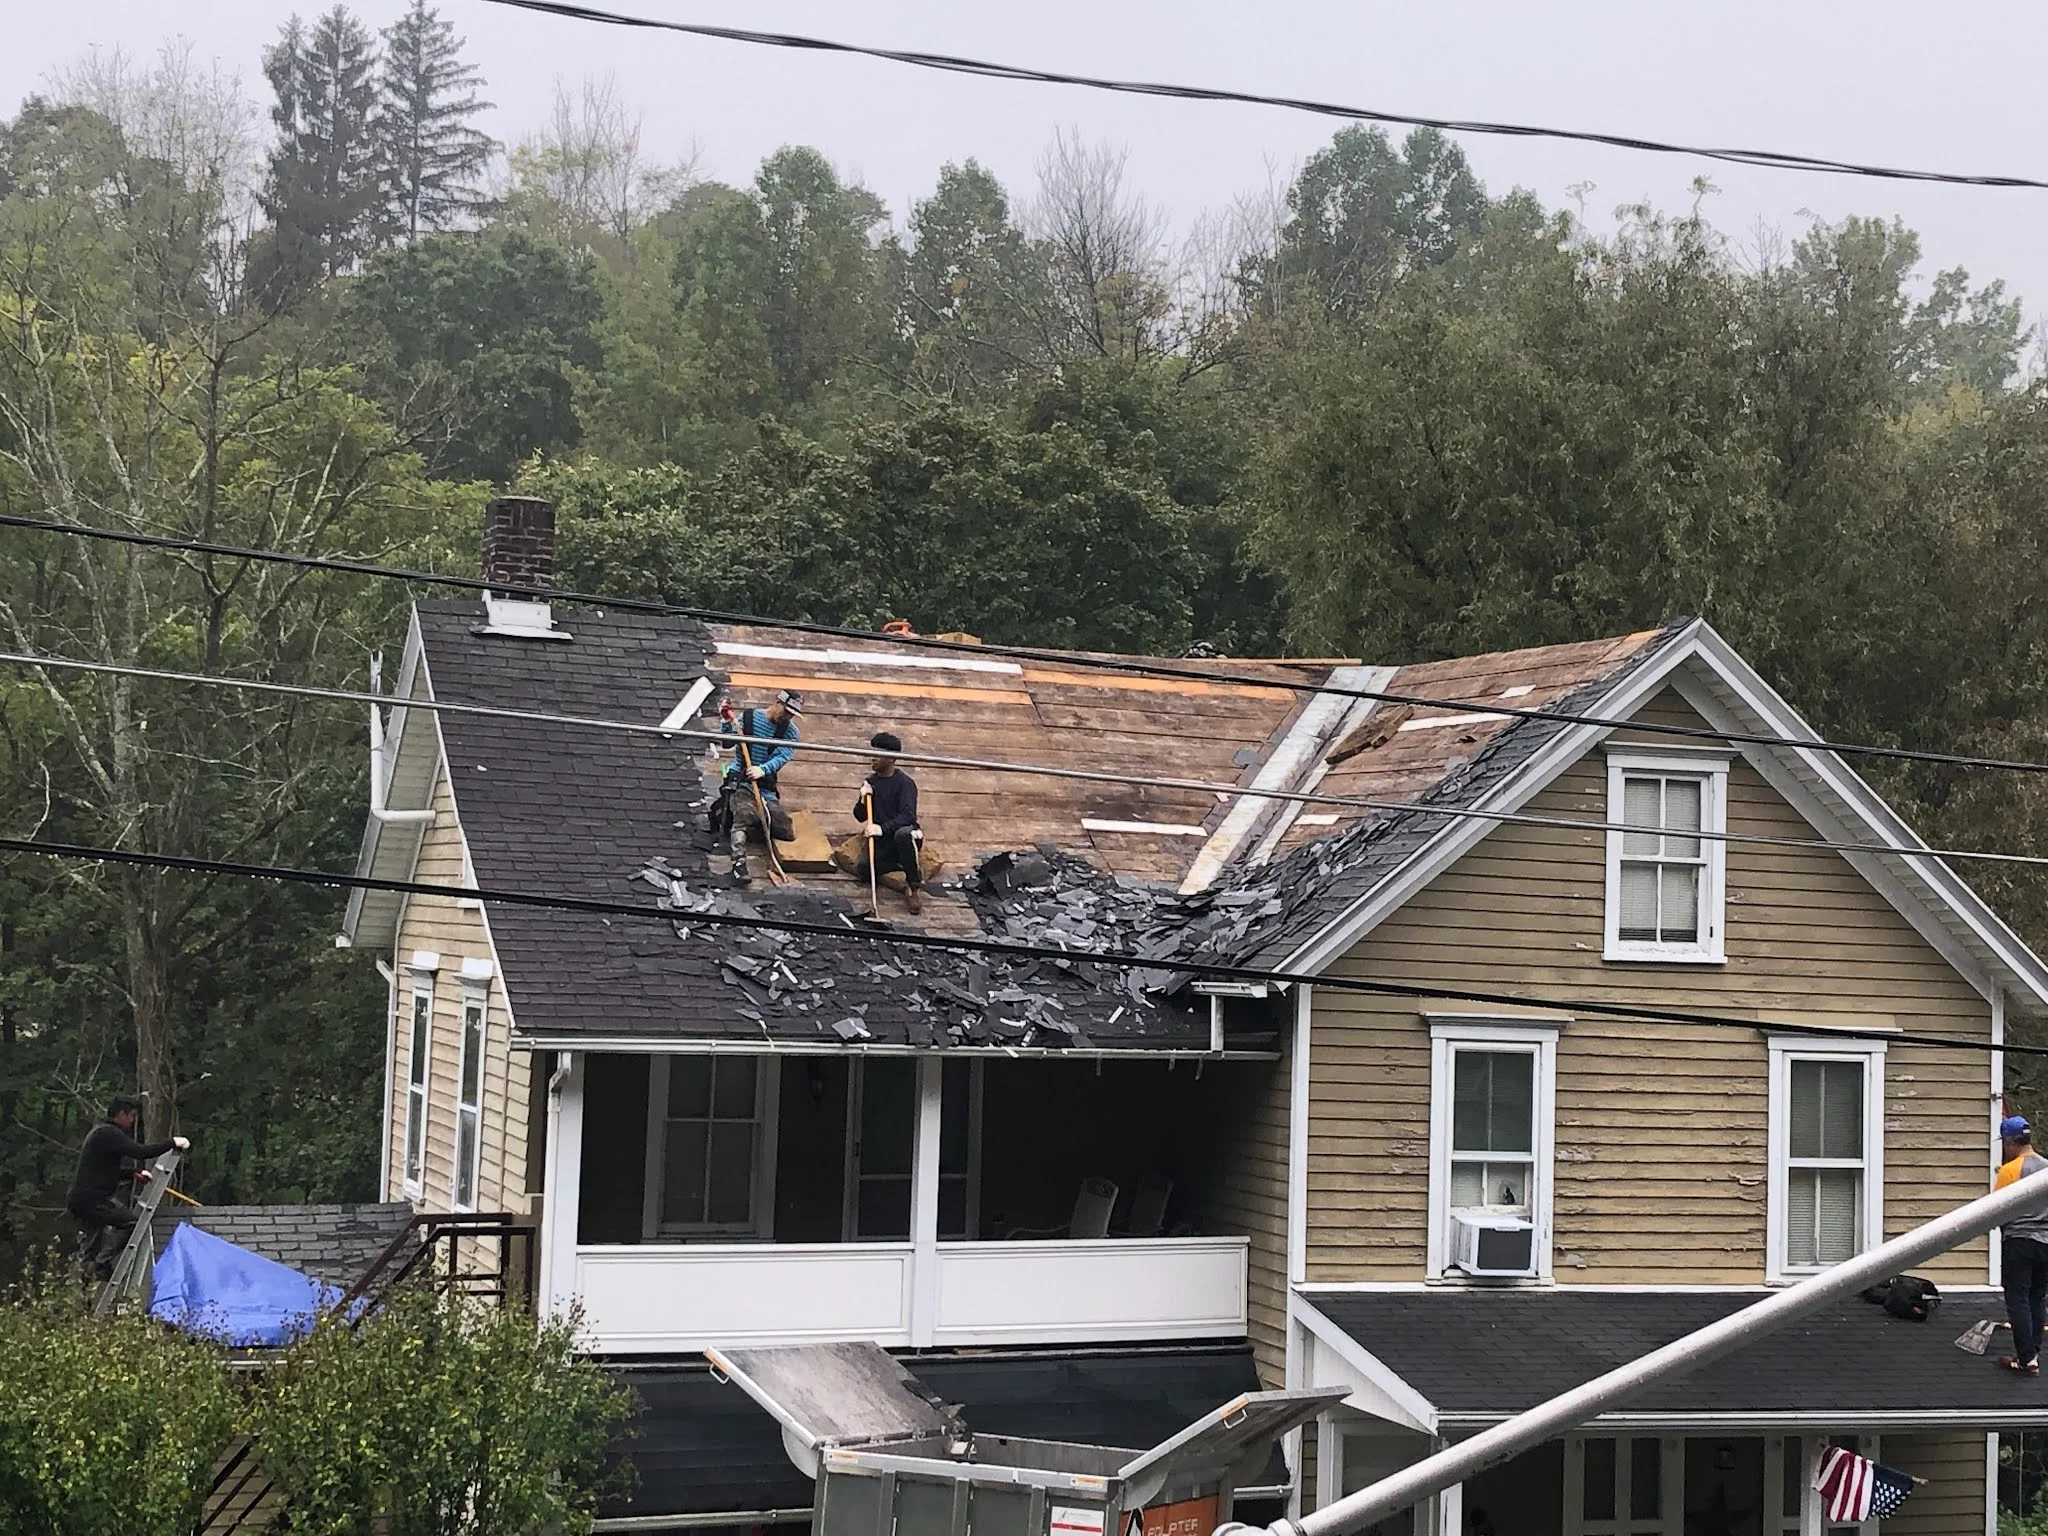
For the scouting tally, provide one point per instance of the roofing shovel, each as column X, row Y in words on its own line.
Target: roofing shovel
column 1978, row 1336
column 867, row 810
column 775, row 873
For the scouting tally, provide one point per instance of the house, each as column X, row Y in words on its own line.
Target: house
column 1094, row 1200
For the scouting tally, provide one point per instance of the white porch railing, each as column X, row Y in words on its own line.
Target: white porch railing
column 661, row 1298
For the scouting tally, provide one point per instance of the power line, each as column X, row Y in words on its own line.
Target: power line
column 1076, row 660
column 988, row 765
column 1768, row 159
column 1114, row 959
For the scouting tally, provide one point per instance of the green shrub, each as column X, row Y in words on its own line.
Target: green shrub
column 438, row 1416
column 109, row 1427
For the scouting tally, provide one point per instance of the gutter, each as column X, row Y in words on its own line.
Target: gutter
column 628, row 1045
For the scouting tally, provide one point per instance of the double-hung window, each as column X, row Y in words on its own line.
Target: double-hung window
column 713, row 1142
column 469, row 1095
column 1493, row 1087
column 1666, row 868
column 1826, row 1152
column 419, row 1054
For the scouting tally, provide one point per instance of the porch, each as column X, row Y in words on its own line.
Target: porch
column 912, row 1201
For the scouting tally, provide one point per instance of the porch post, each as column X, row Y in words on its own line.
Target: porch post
column 558, row 1215
column 924, row 1202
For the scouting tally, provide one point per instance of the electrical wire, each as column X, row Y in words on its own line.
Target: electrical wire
column 991, row 765
column 1075, row 660
column 1012, row 949
column 1767, row 159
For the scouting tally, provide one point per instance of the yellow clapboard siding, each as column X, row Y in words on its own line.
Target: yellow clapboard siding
column 1952, row 1503
column 1661, row 1130
column 456, row 933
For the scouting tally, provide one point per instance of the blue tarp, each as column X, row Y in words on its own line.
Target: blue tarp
column 209, row 1285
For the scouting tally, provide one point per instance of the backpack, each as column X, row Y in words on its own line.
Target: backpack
column 1906, row 1296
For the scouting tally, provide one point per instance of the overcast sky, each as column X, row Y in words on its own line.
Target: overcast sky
column 1954, row 87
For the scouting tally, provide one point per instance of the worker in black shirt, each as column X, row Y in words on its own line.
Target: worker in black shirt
column 91, row 1199
column 888, row 812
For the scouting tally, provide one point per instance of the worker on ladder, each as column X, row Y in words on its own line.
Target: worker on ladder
column 91, row 1199
column 768, row 740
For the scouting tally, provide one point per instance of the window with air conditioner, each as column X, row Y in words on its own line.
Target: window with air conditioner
column 1826, row 1152
column 1493, row 1085
column 1666, row 867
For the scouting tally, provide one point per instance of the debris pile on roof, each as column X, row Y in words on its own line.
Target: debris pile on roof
column 872, row 991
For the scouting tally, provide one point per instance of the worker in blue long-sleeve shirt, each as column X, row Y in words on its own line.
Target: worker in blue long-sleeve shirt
column 771, row 736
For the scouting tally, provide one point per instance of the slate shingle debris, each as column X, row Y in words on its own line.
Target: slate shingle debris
column 866, row 991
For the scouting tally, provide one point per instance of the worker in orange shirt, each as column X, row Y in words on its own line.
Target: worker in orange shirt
column 2023, row 1250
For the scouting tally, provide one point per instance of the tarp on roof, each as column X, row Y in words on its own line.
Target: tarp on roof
column 209, row 1285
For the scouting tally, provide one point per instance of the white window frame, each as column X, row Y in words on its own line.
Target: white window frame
column 1711, row 770
column 849, row 1199
column 1670, row 1518
column 1784, row 1050
column 475, row 997
column 1448, row 1034
column 760, row 1224
column 419, row 1080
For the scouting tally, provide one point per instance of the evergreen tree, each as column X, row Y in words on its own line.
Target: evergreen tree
column 324, row 191
column 434, row 157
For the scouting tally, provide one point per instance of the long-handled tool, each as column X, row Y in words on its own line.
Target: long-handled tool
column 775, row 873
column 867, row 810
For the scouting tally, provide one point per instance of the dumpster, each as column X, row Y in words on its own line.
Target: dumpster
column 889, row 1458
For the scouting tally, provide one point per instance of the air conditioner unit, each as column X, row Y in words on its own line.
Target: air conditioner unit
column 1493, row 1245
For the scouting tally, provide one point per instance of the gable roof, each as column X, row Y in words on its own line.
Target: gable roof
column 1174, row 872
column 1334, row 890
column 1475, row 1356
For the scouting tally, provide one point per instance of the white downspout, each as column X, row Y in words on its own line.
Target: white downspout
column 390, row 976
column 558, row 1213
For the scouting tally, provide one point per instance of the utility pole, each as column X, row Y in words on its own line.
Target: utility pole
column 1546, row 1421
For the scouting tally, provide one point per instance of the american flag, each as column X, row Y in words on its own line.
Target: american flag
column 1856, row 1488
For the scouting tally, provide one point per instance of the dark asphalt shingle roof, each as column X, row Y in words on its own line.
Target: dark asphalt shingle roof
column 570, row 810
column 700, row 1445
column 335, row 1243
column 1479, row 1354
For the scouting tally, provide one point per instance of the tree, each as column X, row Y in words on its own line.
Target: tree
column 1108, row 292
column 1362, row 217
column 137, row 393
column 470, row 342
column 823, row 301
column 972, row 285
column 324, row 192
column 427, row 101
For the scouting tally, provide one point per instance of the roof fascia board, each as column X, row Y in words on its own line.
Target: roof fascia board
column 1944, row 887
column 673, row 1045
column 483, row 911
column 411, row 665
column 1373, row 1371
column 1465, row 832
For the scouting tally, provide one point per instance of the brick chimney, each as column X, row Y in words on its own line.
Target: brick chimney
column 519, row 551
column 519, row 541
